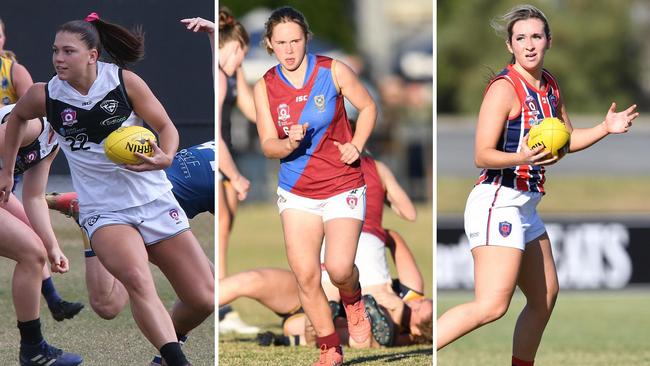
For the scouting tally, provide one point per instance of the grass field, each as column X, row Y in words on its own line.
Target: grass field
column 100, row 342
column 586, row 329
column 257, row 242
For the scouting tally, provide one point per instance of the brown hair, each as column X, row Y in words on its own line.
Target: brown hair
column 230, row 29
column 285, row 14
column 122, row 45
column 503, row 25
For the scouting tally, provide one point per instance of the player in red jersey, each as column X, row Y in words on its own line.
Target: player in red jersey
column 302, row 122
column 509, row 243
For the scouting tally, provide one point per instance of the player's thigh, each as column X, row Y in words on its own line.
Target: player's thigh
column 303, row 236
column 496, row 270
column 121, row 250
column 17, row 240
column 341, row 235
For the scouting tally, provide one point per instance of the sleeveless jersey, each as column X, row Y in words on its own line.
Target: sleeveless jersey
column 375, row 197
column 7, row 91
column 313, row 170
column 535, row 106
column 82, row 123
column 37, row 150
column 229, row 102
column 192, row 175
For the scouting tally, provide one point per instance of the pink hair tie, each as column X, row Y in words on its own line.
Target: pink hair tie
column 92, row 17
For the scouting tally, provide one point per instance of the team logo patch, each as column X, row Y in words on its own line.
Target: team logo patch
column 92, row 220
column 553, row 100
column 6, row 101
column 173, row 213
column 109, row 106
column 281, row 199
column 69, row 117
column 5, row 83
column 283, row 114
column 31, row 156
column 319, row 100
column 505, row 228
column 352, row 201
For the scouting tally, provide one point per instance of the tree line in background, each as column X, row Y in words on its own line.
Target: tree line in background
column 596, row 52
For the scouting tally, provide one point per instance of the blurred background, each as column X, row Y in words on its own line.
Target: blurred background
column 596, row 209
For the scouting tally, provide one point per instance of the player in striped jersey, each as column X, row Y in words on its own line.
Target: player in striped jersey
column 509, row 242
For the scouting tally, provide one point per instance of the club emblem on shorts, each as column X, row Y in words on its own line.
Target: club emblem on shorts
column 319, row 100
column 109, row 106
column 281, row 199
column 505, row 228
column 31, row 156
column 92, row 220
column 173, row 213
column 283, row 114
column 352, row 201
column 69, row 117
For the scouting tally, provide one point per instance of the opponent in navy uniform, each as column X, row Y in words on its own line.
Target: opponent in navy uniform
column 301, row 121
column 123, row 209
column 192, row 177
column 26, row 237
column 509, row 243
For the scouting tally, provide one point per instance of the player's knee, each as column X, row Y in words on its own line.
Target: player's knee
column 339, row 275
column 33, row 255
column 308, row 281
column 105, row 309
column 493, row 310
column 136, row 281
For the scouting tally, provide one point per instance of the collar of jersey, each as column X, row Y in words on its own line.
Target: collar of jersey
column 311, row 62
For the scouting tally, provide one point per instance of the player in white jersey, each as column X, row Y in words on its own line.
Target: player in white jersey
column 128, row 212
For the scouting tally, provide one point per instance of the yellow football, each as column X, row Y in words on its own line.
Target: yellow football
column 121, row 145
column 552, row 134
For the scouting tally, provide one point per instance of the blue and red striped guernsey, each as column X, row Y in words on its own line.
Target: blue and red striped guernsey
column 314, row 170
column 535, row 106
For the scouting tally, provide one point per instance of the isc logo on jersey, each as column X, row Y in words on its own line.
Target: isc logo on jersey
column 302, row 98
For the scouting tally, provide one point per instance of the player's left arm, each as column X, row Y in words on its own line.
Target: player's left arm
column 148, row 107
column 353, row 90
column 408, row 272
column 399, row 201
column 36, row 209
column 245, row 98
column 614, row 123
column 21, row 79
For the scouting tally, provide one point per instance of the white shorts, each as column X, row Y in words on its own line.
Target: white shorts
column 156, row 221
column 350, row 204
column 497, row 215
column 370, row 260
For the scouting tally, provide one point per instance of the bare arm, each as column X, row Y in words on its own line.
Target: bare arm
column 30, row 106
column 148, row 107
column 272, row 146
column 399, row 200
column 500, row 101
column 21, row 78
column 407, row 269
column 201, row 25
column 354, row 91
column 245, row 99
column 38, row 213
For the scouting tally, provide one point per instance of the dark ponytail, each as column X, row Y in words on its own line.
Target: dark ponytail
column 123, row 46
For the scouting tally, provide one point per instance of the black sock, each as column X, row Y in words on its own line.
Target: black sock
column 172, row 354
column 30, row 332
column 223, row 310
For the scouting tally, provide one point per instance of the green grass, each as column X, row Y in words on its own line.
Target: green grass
column 257, row 242
column 100, row 342
column 587, row 328
column 611, row 195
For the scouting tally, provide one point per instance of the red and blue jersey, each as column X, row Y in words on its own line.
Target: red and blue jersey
column 314, row 169
column 535, row 106
column 375, row 198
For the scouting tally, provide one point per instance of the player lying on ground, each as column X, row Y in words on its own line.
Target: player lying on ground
column 400, row 314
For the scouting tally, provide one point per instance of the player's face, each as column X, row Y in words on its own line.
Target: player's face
column 289, row 44
column 71, row 56
column 421, row 315
column 231, row 56
column 529, row 43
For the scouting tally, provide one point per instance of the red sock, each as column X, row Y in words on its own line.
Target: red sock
column 518, row 362
column 329, row 341
column 350, row 298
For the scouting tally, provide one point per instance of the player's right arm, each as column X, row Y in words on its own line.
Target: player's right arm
column 31, row 105
column 408, row 272
column 272, row 146
column 21, row 79
column 500, row 101
column 245, row 99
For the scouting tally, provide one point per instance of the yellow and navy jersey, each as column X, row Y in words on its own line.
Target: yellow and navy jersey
column 536, row 104
column 7, row 91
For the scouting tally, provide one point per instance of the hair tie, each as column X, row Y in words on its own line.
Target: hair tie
column 92, row 17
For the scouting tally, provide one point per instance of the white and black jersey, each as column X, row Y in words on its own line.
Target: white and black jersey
column 37, row 150
column 82, row 123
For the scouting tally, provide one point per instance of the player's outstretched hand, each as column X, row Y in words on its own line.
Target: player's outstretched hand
column 198, row 25
column 349, row 152
column 6, row 184
column 58, row 261
column 536, row 156
column 620, row 122
column 241, row 186
column 158, row 161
